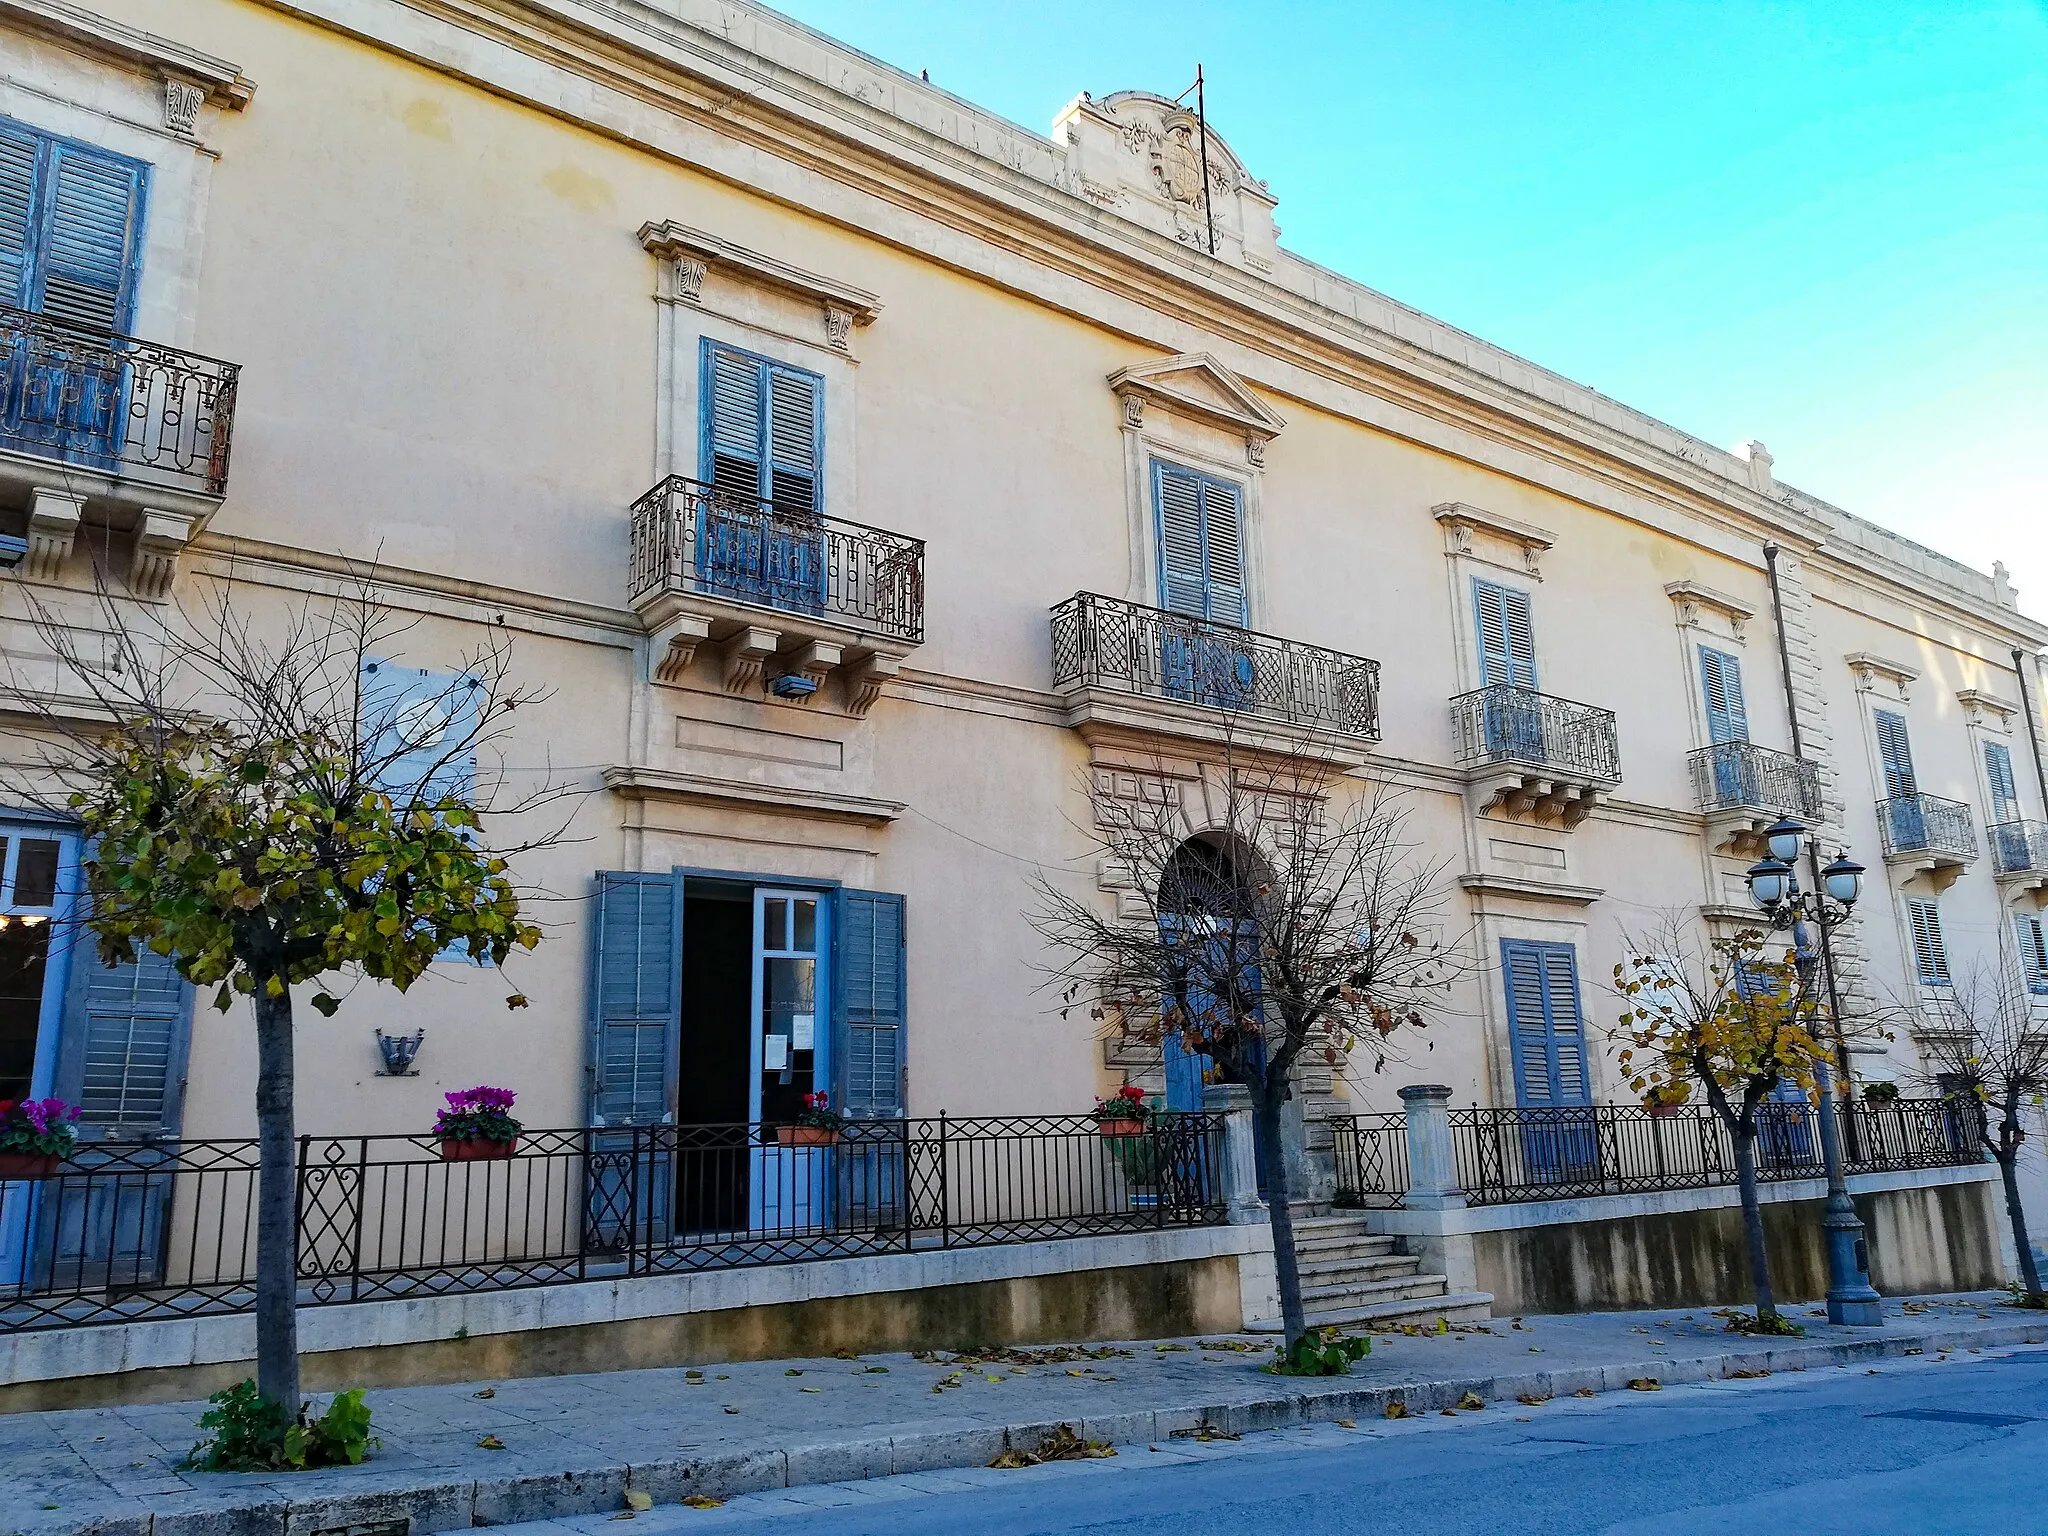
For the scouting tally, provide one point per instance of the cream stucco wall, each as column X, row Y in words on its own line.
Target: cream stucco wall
column 419, row 241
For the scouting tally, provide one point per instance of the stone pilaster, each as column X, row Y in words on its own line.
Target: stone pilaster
column 1817, row 738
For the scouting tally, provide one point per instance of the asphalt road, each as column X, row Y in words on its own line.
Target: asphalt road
column 1958, row 1445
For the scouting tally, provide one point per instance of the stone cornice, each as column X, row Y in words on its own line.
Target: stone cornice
column 735, row 83
column 76, row 27
column 678, row 242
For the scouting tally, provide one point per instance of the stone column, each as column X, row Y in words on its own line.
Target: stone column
column 1437, row 1233
column 1237, row 1158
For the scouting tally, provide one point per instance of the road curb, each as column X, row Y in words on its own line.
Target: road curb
column 432, row 1501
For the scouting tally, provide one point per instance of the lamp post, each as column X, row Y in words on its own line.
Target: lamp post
column 1808, row 916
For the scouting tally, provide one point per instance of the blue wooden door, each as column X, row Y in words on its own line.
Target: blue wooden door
column 870, row 948
column 635, row 1029
column 763, row 449
column 1546, row 1039
column 38, row 884
column 1513, row 723
column 791, row 1056
column 1906, row 822
column 70, row 249
column 1784, row 1123
column 1727, row 722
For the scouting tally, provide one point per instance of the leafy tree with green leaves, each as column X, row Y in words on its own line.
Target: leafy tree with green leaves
column 256, row 808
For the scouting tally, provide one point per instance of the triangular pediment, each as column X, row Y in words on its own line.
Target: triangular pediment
column 1200, row 386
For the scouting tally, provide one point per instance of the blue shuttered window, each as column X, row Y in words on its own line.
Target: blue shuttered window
column 1199, row 522
column 70, row 228
column 1895, row 750
column 1930, row 955
column 1721, row 683
column 763, row 444
column 2032, row 934
column 2005, row 795
column 126, row 1032
column 871, row 1013
column 637, row 992
column 1507, row 641
column 1546, row 1031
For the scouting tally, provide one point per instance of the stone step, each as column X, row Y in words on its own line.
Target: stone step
column 1360, row 1293
column 1452, row 1306
column 1319, row 1249
column 1347, row 1271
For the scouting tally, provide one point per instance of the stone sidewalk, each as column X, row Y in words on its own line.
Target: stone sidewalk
column 501, row 1452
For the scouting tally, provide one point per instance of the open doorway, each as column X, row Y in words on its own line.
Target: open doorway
column 36, row 868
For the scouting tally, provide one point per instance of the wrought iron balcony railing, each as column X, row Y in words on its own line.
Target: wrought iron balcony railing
column 115, row 404
column 2019, row 847
column 1105, row 642
column 690, row 537
column 1927, row 824
column 1501, row 723
column 1731, row 775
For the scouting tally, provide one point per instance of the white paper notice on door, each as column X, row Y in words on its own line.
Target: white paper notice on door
column 803, row 1031
column 774, row 1053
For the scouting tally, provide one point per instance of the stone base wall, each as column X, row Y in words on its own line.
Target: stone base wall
column 1145, row 1285
column 1940, row 1238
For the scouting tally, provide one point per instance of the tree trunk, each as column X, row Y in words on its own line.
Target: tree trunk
column 277, row 1318
column 1753, row 1221
column 1266, row 1140
column 2009, row 1170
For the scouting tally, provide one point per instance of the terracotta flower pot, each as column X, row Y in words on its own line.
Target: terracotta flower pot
column 1120, row 1127
column 28, row 1165
column 1666, row 1111
column 806, row 1136
column 477, row 1150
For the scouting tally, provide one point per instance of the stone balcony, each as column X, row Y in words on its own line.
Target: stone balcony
column 1531, row 756
column 1743, row 788
column 777, row 601
column 110, row 430
column 1926, row 835
column 2019, row 857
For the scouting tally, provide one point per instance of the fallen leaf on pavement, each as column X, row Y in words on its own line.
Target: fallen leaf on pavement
column 1471, row 1401
column 1532, row 1399
column 487, row 1392
column 491, row 1443
column 1645, row 1384
column 639, row 1499
column 698, row 1501
column 1396, row 1410
column 1345, row 1423
column 1585, row 1392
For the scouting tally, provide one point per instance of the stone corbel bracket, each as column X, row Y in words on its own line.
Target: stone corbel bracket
column 53, row 520
column 1691, row 599
column 689, row 255
column 1461, row 523
column 1869, row 671
column 1523, row 795
column 159, row 540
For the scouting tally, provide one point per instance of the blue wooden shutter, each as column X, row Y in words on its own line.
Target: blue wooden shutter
column 1930, row 957
column 735, row 453
column 1183, row 568
column 1507, row 639
column 92, row 216
column 2032, row 934
column 2005, row 795
column 1895, row 748
column 795, row 418
column 1223, row 547
column 1546, row 1032
column 872, row 953
column 1721, row 681
column 637, row 997
column 126, row 1032
column 19, row 153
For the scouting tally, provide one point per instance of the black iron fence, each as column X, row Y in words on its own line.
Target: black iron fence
column 692, row 537
column 114, row 404
column 1105, row 642
column 1927, row 824
column 2019, row 847
column 126, row 1232
column 1509, row 1155
column 1729, row 774
column 1371, row 1153
column 1501, row 723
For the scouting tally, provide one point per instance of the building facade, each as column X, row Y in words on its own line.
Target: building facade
column 861, row 478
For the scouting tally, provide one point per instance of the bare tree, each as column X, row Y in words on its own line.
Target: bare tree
column 1272, row 910
column 276, row 805
column 1730, row 1022
column 1987, row 1055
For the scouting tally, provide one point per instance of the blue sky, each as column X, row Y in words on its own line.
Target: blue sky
column 1823, row 225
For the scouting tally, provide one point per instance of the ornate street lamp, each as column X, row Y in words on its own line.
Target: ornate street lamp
column 1809, row 916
